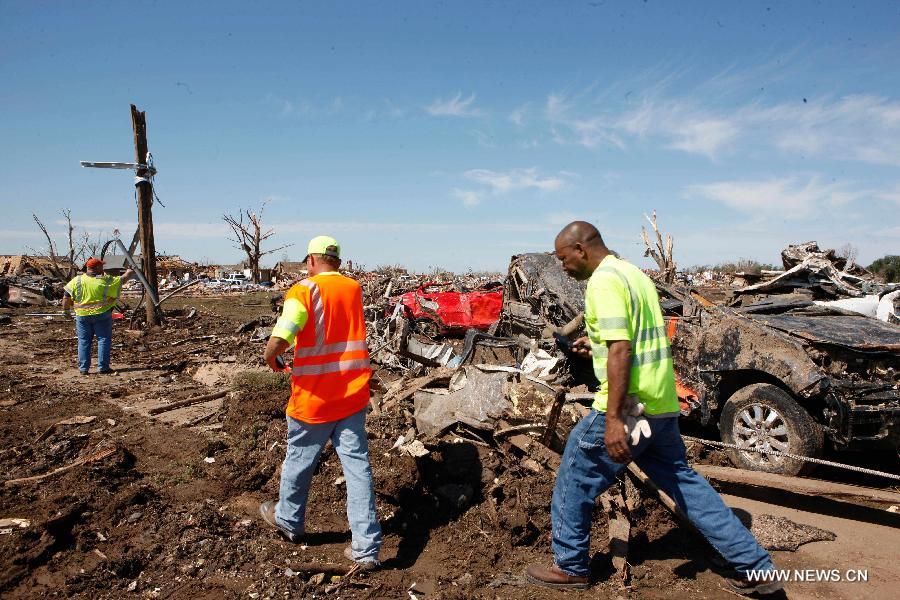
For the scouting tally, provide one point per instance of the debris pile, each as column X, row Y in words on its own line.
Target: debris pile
column 813, row 275
column 158, row 484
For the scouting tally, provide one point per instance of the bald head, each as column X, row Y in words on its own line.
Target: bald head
column 580, row 249
column 581, row 232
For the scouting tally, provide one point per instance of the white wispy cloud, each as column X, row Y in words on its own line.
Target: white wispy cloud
column 160, row 228
column 562, row 218
column 680, row 125
column 787, row 197
column 306, row 108
column 704, row 136
column 498, row 183
column 469, row 198
column 385, row 109
column 889, row 232
column 891, row 194
column 861, row 128
column 457, row 106
column 517, row 116
column 485, row 140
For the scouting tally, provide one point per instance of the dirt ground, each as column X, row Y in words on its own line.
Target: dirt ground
column 170, row 511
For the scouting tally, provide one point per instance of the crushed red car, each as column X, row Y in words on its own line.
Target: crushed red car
column 453, row 311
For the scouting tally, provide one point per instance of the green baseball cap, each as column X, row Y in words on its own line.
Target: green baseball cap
column 324, row 244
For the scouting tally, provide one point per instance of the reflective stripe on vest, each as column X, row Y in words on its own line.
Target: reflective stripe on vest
column 321, row 348
column 86, row 305
column 338, row 366
column 330, row 349
column 318, row 311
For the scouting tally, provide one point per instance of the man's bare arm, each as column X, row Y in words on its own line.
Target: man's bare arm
column 274, row 349
column 618, row 373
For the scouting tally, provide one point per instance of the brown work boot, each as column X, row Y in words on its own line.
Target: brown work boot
column 267, row 512
column 554, row 577
column 364, row 565
column 745, row 587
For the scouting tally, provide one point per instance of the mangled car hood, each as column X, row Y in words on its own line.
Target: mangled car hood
column 855, row 332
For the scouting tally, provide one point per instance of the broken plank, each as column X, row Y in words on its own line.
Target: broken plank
column 87, row 459
column 391, row 400
column 553, row 417
column 663, row 497
column 201, row 419
column 614, row 505
column 189, row 402
column 536, row 450
column 798, row 485
column 76, row 420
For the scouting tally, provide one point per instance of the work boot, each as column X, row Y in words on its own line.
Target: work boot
column 267, row 512
column 554, row 577
column 365, row 565
column 108, row 372
column 745, row 587
column 84, row 372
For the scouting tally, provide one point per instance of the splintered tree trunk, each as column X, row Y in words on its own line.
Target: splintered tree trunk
column 145, row 214
column 249, row 237
column 662, row 254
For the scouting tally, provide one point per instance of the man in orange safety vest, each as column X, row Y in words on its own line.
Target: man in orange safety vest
column 323, row 319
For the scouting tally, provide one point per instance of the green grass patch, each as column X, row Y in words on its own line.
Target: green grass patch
column 261, row 381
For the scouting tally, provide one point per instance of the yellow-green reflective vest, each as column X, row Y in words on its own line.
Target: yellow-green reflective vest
column 94, row 295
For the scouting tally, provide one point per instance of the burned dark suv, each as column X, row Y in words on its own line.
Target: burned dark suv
column 786, row 376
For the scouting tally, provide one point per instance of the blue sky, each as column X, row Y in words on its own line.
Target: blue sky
column 456, row 134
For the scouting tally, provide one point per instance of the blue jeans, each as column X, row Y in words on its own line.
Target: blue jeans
column 88, row 327
column 587, row 471
column 304, row 446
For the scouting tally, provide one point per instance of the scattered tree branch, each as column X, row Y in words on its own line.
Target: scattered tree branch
column 51, row 251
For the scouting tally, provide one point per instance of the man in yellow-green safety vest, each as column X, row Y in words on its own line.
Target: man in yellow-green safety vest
column 634, row 417
column 93, row 295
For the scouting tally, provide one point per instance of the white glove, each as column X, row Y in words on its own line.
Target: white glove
column 636, row 425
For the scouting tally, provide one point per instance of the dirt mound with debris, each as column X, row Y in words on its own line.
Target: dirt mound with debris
column 779, row 533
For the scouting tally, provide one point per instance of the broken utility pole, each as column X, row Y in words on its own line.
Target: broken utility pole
column 145, row 207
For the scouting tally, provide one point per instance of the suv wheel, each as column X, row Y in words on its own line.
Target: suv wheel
column 764, row 416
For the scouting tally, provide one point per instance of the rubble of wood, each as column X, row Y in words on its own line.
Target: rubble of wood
column 816, row 275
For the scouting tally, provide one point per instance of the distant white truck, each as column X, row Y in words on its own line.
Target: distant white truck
column 237, row 280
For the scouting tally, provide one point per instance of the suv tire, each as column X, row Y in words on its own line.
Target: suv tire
column 763, row 415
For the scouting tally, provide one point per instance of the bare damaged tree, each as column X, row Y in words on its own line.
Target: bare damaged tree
column 249, row 236
column 52, row 254
column 662, row 254
column 81, row 246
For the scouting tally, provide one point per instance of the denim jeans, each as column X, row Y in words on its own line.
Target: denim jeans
column 88, row 327
column 587, row 471
column 305, row 442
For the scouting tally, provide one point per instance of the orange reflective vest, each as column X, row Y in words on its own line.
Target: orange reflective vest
column 331, row 372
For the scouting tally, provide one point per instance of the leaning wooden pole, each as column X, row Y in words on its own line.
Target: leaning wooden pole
column 145, row 208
